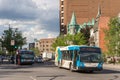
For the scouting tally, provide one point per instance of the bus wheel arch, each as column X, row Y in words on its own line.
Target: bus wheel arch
column 71, row 67
column 59, row 64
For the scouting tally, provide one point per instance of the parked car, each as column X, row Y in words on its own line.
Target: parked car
column 38, row 59
column 0, row 59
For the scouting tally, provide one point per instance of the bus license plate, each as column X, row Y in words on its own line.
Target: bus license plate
column 91, row 64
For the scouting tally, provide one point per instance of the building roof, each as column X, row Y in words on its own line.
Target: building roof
column 47, row 39
column 73, row 19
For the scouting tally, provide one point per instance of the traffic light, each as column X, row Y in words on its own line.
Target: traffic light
column 15, row 47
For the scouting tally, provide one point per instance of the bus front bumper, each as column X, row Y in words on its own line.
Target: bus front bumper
column 90, row 68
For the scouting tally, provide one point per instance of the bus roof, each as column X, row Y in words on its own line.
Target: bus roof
column 74, row 47
column 22, row 50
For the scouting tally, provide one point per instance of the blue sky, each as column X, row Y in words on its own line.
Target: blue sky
column 35, row 18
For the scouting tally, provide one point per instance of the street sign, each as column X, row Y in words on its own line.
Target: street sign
column 12, row 42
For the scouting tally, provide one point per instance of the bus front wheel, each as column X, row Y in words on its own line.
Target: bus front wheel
column 91, row 71
column 71, row 67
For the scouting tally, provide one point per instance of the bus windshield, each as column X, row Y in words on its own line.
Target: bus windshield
column 27, row 55
column 90, row 57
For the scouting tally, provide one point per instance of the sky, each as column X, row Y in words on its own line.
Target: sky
column 36, row 19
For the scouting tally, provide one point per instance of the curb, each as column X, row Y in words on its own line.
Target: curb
column 112, row 66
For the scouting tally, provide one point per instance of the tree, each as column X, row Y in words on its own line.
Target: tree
column 86, row 32
column 77, row 39
column 112, row 37
column 36, row 51
column 12, row 39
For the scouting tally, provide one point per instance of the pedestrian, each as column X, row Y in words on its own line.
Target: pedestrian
column 114, row 61
column 12, row 59
column 2, row 58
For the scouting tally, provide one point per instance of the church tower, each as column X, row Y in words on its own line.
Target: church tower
column 73, row 27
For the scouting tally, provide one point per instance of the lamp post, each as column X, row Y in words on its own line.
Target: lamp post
column 13, row 38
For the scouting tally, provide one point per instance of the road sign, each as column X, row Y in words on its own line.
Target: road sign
column 12, row 42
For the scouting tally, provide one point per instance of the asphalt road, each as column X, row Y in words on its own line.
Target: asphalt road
column 47, row 71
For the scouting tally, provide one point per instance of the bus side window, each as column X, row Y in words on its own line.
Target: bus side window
column 66, row 55
column 71, row 54
column 76, row 53
column 63, row 54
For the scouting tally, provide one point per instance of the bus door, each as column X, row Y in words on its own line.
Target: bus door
column 75, row 58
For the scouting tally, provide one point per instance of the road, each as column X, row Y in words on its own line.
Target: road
column 47, row 71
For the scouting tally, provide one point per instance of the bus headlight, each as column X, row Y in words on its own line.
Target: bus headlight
column 82, row 65
column 100, row 65
column 22, row 60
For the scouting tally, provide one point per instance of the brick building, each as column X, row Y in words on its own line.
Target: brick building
column 85, row 10
column 45, row 45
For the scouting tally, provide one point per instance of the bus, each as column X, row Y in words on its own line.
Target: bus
column 25, row 57
column 79, row 58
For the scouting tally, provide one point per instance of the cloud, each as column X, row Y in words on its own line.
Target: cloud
column 18, row 9
column 35, row 18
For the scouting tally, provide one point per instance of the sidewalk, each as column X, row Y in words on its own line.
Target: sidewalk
column 112, row 66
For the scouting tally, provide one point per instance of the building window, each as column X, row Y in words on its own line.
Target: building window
column 61, row 8
column 62, row 2
column 62, row 23
column 46, row 45
column 47, row 50
column 62, row 11
column 62, row 20
column 62, row 5
column 61, row 14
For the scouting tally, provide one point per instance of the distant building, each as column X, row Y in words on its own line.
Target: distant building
column 31, row 45
column 37, row 45
column 46, row 45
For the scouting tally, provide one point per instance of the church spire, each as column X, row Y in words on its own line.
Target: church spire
column 97, row 19
column 99, row 12
column 73, row 19
column 73, row 27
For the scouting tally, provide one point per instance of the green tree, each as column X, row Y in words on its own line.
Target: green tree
column 113, row 37
column 86, row 33
column 59, row 41
column 77, row 39
column 12, row 35
column 36, row 51
column 1, row 52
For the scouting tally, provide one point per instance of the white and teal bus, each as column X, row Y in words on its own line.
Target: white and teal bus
column 79, row 58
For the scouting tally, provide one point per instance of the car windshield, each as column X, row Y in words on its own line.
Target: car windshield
column 90, row 57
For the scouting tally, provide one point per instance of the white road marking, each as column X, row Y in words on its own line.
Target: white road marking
column 32, row 78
